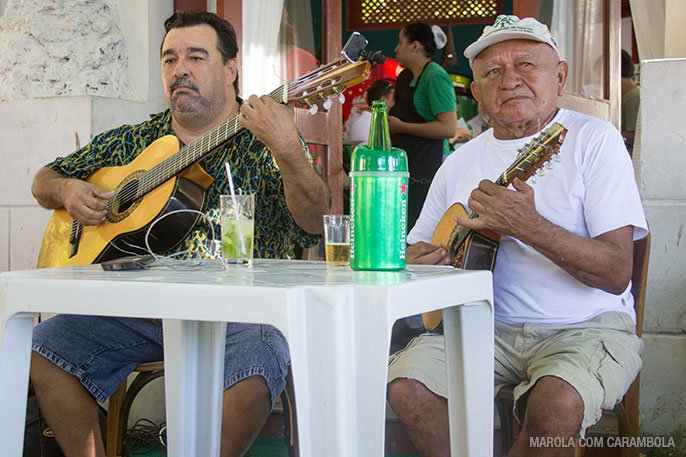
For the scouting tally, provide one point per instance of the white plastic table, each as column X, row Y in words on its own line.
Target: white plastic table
column 337, row 322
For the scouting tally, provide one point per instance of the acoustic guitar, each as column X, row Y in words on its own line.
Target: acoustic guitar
column 164, row 180
column 476, row 249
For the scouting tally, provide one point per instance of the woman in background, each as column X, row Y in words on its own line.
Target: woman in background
column 424, row 116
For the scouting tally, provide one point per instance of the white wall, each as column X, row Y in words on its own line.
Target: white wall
column 661, row 159
column 40, row 130
column 61, row 48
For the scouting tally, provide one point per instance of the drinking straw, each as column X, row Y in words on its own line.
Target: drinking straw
column 232, row 192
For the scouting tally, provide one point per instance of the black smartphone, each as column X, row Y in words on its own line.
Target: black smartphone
column 136, row 262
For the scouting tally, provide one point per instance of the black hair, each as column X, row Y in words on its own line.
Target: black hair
column 421, row 33
column 227, row 45
column 379, row 88
column 627, row 65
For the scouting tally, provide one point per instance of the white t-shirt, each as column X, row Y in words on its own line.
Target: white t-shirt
column 591, row 191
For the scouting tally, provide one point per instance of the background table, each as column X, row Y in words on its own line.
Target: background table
column 338, row 324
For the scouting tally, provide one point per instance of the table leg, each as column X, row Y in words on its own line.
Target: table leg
column 469, row 354
column 340, row 382
column 194, row 379
column 15, row 359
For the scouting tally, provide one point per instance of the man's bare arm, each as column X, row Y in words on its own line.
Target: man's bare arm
column 83, row 201
column 604, row 262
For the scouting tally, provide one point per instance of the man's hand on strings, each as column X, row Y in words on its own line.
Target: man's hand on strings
column 85, row 202
column 503, row 210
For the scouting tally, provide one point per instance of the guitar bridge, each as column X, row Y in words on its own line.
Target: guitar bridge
column 74, row 238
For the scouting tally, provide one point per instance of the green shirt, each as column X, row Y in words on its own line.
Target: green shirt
column 434, row 95
column 254, row 171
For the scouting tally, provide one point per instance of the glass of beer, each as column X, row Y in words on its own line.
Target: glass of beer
column 337, row 239
column 238, row 228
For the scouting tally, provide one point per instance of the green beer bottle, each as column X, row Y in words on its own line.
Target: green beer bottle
column 378, row 199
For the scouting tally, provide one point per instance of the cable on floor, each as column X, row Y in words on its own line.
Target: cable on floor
column 145, row 436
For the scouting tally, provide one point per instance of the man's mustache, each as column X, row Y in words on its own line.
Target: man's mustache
column 183, row 81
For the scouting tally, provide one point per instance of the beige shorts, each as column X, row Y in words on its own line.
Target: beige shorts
column 600, row 358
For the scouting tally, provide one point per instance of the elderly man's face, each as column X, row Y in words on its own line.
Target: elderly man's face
column 517, row 83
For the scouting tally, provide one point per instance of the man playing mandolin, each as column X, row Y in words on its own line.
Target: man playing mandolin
column 77, row 359
column 564, row 329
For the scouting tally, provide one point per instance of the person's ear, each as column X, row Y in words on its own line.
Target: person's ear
column 475, row 91
column 562, row 73
column 231, row 71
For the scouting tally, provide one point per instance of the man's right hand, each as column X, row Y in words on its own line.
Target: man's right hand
column 85, row 202
column 428, row 254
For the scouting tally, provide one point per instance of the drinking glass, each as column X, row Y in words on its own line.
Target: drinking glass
column 238, row 228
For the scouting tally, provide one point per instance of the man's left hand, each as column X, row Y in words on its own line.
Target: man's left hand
column 506, row 211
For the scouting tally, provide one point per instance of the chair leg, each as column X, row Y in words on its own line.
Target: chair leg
column 504, row 402
column 505, row 415
column 290, row 417
column 631, row 409
column 115, row 404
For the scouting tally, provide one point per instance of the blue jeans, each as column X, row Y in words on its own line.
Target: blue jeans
column 102, row 351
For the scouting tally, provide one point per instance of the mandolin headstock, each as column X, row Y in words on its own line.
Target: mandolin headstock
column 535, row 154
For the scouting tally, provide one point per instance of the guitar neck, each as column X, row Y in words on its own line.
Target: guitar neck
column 198, row 149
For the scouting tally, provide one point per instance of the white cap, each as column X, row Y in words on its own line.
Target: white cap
column 439, row 36
column 510, row 28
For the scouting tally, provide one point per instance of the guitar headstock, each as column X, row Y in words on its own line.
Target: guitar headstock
column 535, row 154
column 317, row 88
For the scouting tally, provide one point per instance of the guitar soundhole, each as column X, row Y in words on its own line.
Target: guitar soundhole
column 126, row 199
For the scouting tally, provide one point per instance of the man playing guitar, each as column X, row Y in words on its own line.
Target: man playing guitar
column 77, row 359
column 564, row 330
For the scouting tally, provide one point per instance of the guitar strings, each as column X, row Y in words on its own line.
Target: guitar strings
column 186, row 156
column 170, row 166
column 210, row 221
column 210, row 245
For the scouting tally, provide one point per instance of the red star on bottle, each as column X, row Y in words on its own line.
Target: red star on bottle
column 352, row 188
column 403, row 188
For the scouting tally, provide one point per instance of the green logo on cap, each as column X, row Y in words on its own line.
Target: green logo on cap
column 503, row 21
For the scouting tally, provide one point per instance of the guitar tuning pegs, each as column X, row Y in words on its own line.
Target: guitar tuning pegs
column 548, row 165
column 313, row 109
column 540, row 172
column 556, row 158
column 341, row 98
column 533, row 179
column 327, row 104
